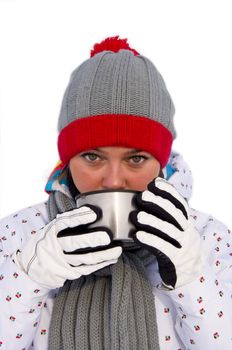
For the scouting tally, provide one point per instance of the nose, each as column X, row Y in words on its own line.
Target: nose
column 114, row 177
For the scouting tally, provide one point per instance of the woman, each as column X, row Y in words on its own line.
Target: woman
column 66, row 286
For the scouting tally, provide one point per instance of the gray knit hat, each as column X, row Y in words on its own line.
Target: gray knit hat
column 116, row 98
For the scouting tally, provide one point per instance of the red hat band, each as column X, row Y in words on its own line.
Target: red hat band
column 115, row 130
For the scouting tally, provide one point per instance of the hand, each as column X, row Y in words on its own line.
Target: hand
column 67, row 249
column 164, row 227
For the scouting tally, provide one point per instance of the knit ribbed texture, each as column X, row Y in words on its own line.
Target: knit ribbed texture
column 116, row 84
column 126, row 131
column 111, row 309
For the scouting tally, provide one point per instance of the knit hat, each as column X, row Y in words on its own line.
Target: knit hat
column 116, row 98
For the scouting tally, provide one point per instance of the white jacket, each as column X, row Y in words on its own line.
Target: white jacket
column 197, row 316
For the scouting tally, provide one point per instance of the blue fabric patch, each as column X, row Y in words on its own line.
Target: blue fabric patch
column 170, row 170
column 53, row 178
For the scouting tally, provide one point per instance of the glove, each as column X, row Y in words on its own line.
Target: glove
column 67, row 249
column 163, row 227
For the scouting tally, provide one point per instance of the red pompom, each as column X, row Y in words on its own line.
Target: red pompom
column 112, row 44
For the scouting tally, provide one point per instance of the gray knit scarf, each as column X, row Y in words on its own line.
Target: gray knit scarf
column 112, row 309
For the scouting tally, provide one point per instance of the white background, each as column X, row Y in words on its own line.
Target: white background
column 42, row 41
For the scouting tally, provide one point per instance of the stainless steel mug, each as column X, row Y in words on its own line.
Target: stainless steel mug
column 116, row 206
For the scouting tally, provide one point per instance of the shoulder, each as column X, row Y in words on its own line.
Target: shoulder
column 18, row 227
column 205, row 222
column 216, row 240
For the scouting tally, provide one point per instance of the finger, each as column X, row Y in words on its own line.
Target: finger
column 88, row 269
column 157, row 243
column 74, row 218
column 153, row 225
column 166, row 190
column 94, row 258
column 162, row 208
column 89, row 239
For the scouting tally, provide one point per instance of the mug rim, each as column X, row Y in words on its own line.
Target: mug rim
column 83, row 194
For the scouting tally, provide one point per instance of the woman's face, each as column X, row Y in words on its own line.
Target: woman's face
column 113, row 168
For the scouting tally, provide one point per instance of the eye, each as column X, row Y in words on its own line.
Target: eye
column 90, row 156
column 138, row 159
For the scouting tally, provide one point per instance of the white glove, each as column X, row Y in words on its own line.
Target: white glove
column 67, row 249
column 163, row 227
